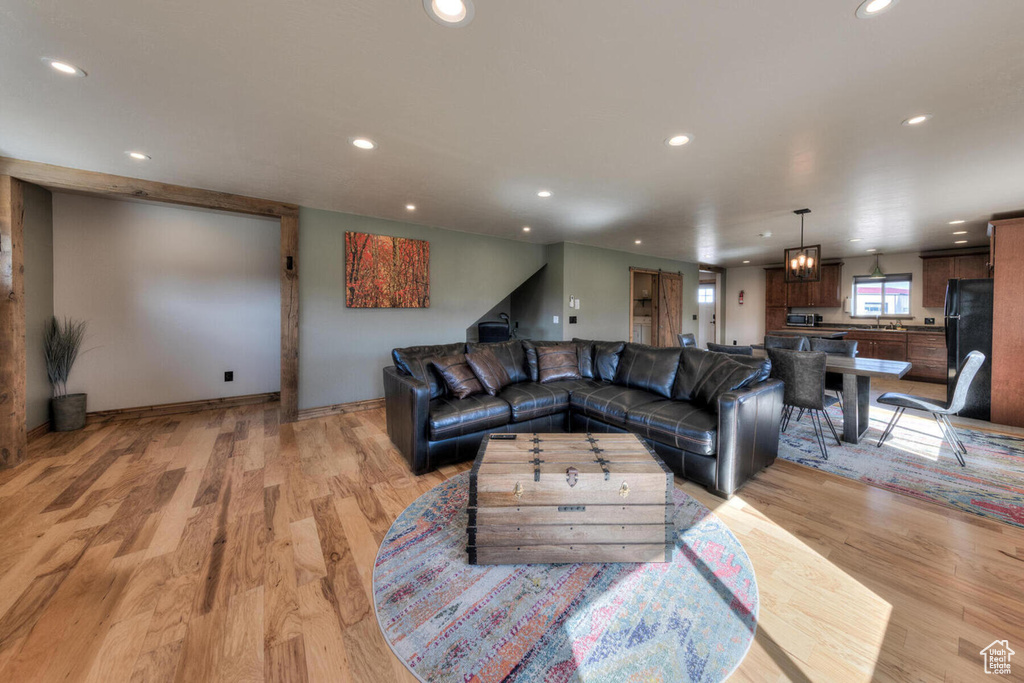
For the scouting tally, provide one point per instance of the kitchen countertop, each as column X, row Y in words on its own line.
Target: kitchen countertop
column 822, row 330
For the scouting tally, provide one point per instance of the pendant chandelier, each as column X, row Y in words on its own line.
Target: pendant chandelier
column 803, row 263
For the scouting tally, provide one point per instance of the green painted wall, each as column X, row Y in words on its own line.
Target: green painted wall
column 539, row 299
column 600, row 279
column 342, row 350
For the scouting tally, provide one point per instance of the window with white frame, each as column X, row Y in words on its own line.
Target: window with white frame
column 881, row 296
column 706, row 294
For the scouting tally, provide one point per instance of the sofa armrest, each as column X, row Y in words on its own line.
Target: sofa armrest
column 748, row 433
column 407, row 409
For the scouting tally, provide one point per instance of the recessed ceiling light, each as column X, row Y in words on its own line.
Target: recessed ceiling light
column 960, row 242
column 856, row 239
column 746, row 261
column 636, row 241
column 526, row 228
column 872, row 8
column 870, row 250
column 916, row 120
column 678, row 140
column 544, row 193
column 410, row 207
column 364, row 143
column 138, row 156
column 960, row 232
column 449, row 13
column 957, row 222
column 64, row 67
column 764, row 235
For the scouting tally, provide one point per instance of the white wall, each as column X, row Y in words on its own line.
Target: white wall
column 173, row 297
column 746, row 323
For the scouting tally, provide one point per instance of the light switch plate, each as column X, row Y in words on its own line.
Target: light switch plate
column 555, row 320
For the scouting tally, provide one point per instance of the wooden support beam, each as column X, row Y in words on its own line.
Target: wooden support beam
column 289, row 318
column 107, row 185
column 13, row 437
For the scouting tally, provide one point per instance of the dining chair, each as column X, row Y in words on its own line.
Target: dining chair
column 835, row 347
column 725, row 348
column 803, row 373
column 940, row 410
column 687, row 339
column 792, row 343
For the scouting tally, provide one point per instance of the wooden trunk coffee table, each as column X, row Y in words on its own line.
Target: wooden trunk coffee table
column 548, row 498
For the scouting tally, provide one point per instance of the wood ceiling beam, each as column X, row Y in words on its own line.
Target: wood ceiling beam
column 105, row 184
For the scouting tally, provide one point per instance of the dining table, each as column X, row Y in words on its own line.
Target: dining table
column 857, row 373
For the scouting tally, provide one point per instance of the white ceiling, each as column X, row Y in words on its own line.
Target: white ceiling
column 791, row 103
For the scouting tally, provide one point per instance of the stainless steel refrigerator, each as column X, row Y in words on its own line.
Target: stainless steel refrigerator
column 969, row 328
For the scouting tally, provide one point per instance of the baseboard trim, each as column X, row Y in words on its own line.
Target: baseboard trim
column 341, row 408
column 164, row 409
column 39, row 431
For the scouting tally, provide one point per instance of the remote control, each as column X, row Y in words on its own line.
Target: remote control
column 503, row 437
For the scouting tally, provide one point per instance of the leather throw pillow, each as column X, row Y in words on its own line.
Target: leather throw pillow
column 458, row 375
column 489, row 370
column 555, row 363
column 511, row 356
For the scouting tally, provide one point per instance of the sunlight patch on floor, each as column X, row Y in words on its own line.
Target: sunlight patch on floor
column 915, row 435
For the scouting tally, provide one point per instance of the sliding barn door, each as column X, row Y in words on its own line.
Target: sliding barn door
column 670, row 309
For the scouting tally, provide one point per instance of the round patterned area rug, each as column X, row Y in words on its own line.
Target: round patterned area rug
column 692, row 619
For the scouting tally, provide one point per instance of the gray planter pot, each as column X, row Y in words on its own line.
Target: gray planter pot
column 68, row 413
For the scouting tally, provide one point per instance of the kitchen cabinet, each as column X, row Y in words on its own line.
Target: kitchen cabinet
column 775, row 318
column 926, row 352
column 775, row 289
column 927, row 355
column 938, row 270
column 826, row 293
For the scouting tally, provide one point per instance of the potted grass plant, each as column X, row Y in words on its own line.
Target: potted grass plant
column 62, row 344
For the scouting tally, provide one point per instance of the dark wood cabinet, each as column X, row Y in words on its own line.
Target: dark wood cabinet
column 775, row 318
column 826, row 293
column 973, row 267
column 890, row 349
column 927, row 355
column 938, row 270
column 775, row 289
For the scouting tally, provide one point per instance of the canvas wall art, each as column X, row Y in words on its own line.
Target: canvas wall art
column 386, row 272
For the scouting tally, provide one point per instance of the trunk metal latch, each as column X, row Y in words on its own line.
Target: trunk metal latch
column 572, row 476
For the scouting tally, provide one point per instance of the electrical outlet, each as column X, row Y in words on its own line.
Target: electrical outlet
column 555, row 319
column 929, row 321
column 229, row 376
column 695, row 317
column 572, row 320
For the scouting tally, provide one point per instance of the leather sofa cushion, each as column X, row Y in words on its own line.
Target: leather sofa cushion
column 649, row 368
column 458, row 376
column 606, row 358
column 681, row 424
column 415, row 361
column 489, row 370
column 510, row 354
column 727, row 375
column 583, row 356
column 450, row 417
column 610, row 403
column 573, row 385
column 555, row 363
column 695, row 364
column 529, row 400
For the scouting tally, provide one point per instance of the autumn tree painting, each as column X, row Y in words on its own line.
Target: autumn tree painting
column 386, row 272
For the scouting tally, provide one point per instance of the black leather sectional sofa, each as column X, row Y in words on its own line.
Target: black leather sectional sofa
column 713, row 417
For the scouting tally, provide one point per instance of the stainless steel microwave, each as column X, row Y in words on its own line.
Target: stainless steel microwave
column 800, row 319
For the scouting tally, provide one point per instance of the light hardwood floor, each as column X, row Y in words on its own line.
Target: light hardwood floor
column 222, row 546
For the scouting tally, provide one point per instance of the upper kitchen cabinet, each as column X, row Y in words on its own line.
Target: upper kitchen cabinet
column 775, row 290
column 939, row 268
